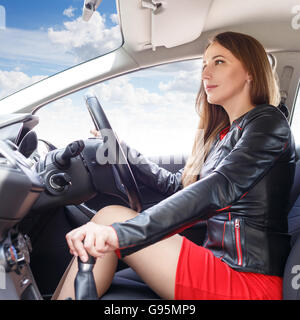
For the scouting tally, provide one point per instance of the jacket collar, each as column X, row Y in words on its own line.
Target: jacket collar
column 237, row 122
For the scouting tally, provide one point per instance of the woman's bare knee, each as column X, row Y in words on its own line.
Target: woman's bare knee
column 112, row 214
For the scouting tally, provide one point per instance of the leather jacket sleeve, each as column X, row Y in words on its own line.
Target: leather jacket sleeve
column 150, row 174
column 264, row 139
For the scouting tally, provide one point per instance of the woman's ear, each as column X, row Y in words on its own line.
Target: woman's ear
column 249, row 78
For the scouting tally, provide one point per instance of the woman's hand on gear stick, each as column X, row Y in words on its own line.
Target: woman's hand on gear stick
column 92, row 238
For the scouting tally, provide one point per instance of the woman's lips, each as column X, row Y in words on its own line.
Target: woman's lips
column 210, row 88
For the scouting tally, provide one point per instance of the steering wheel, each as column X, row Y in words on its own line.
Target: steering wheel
column 115, row 151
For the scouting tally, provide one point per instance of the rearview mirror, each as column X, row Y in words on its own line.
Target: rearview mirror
column 89, row 7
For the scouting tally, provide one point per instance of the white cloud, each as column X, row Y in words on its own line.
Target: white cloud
column 142, row 118
column 153, row 130
column 179, row 87
column 69, row 12
column 189, row 71
column 70, row 119
column 155, row 123
column 50, row 51
column 32, row 47
column 191, row 66
column 184, row 81
column 87, row 40
column 114, row 18
column 12, row 81
column 186, row 76
column 121, row 92
column 77, row 41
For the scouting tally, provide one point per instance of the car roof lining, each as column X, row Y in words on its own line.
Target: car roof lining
column 170, row 27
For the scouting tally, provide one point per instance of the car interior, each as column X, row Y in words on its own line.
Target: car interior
column 43, row 198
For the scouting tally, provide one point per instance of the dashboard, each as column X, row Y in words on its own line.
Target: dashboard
column 29, row 180
column 15, row 126
column 20, row 186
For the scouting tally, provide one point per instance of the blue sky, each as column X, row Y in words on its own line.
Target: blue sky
column 42, row 38
column 32, row 43
column 34, row 14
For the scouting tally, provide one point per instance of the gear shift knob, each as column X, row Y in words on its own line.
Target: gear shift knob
column 85, row 286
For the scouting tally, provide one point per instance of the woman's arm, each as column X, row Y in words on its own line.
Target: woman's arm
column 266, row 136
column 152, row 175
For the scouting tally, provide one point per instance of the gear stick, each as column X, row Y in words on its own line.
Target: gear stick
column 85, row 286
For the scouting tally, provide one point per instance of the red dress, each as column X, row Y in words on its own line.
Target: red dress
column 202, row 276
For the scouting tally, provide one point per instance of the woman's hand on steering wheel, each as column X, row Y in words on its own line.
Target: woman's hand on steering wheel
column 95, row 133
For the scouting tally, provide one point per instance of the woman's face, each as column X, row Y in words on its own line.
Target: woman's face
column 223, row 70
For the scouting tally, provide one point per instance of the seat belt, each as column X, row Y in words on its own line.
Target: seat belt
column 285, row 81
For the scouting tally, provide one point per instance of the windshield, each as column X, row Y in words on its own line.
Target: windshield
column 41, row 38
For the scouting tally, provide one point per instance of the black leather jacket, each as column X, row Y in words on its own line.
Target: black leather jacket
column 242, row 194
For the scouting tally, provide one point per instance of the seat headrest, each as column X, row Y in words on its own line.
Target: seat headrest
column 283, row 108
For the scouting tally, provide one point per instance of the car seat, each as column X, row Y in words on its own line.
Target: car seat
column 291, row 277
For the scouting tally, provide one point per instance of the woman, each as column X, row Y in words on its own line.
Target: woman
column 238, row 181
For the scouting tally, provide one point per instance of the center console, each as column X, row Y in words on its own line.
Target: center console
column 20, row 187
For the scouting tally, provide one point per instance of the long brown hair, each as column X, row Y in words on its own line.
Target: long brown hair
column 213, row 118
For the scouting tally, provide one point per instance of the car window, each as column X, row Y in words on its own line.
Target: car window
column 296, row 117
column 152, row 110
column 41, row 38
column 64, row 121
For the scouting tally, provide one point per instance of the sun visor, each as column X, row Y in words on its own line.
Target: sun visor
column 176, row 22
column 169, row 23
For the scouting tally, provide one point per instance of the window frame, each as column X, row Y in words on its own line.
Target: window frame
column 296, row 97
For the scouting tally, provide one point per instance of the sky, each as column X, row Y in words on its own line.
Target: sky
column 36, row 14
column 45, row 37
column 42, row 38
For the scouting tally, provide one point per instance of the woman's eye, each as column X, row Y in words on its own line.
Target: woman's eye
column 219, row 61
column 216, row 62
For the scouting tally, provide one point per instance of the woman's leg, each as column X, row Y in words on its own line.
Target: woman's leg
column 156, row 264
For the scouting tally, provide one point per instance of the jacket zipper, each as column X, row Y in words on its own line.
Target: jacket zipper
column 237, row 227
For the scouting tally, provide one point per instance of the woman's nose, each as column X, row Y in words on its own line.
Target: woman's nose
column 206, row 73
